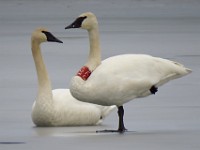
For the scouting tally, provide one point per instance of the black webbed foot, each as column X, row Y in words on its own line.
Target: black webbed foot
column 153, row 89
column 112, row 131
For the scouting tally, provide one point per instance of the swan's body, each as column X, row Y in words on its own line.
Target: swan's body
column 121, row 78
column 58, row 107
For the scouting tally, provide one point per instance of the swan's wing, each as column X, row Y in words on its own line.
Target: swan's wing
column 139, row 68
column 130, row 76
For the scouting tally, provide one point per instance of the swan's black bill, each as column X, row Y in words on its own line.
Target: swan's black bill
column 77, row 23
column 51, row 37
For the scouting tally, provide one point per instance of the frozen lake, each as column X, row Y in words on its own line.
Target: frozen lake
column 163, row 28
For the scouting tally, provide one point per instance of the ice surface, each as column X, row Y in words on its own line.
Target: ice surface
column 164, row 28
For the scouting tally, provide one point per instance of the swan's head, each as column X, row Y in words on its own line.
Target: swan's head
column 43, row 35
column 86, row 21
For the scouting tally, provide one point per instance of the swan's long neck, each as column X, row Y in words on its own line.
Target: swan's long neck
column 94, row 58
column 44, row 84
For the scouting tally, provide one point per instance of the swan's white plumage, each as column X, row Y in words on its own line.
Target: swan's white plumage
column 58, row 107
column 122, row 78
column 68, row 111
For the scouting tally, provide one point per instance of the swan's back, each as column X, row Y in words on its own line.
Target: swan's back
column 138, row 66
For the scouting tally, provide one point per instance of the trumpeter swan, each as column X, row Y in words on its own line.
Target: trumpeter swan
column 58, row 107
column 121, row 78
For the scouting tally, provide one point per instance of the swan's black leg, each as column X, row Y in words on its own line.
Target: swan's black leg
column 153, row 89
column 121, row 127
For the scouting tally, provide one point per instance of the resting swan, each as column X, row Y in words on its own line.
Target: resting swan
column 58, row 107
column 121, row 78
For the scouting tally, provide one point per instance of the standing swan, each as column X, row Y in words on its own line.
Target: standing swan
column 121, row 78
column 58, row 107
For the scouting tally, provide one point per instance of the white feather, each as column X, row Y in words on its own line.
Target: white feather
column 122, row 78
column 58, row 107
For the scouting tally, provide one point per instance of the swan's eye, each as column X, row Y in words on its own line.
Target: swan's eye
column 48, row 34
column 51, row 37
column 79, row 21
column 45, row 32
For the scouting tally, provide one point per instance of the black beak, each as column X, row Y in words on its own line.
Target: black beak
column 70, row 26
column 51, row 37
column 77, row 23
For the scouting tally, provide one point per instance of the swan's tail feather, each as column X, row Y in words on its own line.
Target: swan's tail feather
column 105, row 111
column 179, row 71
column 188, row 70
column 184, row 70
